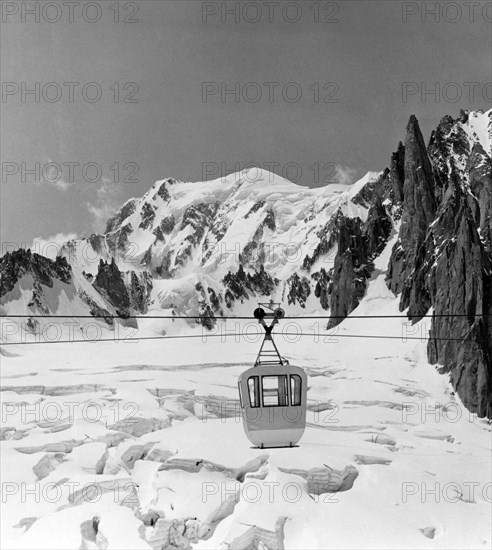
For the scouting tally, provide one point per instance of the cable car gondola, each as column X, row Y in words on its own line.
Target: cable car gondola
column 273, row 393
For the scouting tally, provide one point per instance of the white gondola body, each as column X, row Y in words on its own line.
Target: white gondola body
column 273, row 404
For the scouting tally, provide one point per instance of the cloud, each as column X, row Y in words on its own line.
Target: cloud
column 52, row 174
column 106, row 204
column 345, row 175
column 51, row 246
column 333, row 173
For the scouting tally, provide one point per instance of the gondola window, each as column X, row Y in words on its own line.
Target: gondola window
column 241, row 402
column 295, row 390
column 275, row 391
column 254, row 391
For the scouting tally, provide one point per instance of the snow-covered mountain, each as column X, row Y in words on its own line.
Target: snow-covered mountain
column 214, row 248
column 208, row 247
column 215, row 244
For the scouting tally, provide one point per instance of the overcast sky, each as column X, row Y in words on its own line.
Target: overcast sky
column 364, row 53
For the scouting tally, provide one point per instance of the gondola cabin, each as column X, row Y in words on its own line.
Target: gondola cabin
column 273, row 405
column 273, row 393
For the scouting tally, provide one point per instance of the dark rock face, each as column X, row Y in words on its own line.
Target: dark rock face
column 443, row 258
column 358, row 244
column 140, row 287
column 163, row 192
column 350, row 272
column 237, row 285
column 454, row 276
column 109, row 282
column 206, row 315
column 322, row 290
column 14, row 265
column 327, row 236
column 183, row 255
column 215, row 299
column 125, row 291
column 397, row 172
column 148, row 216
column 460, row 283
column 376, row 229
column 270, row 220
column 199, row 218
column 255, row 208
column 419, row 208
column 164, row 270
column 254, row 252
column 96, row 310
column 127, row 210
column 379, row 189
column 298, row 290
column 97, row 242
column 164, row 228
column 208, row 305
column 167, row 225
column 147, row 258
column 479, row 168
column 447, row 144
column 159, row 236
column 44, row 273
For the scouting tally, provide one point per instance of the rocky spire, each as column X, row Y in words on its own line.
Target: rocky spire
column 397, row 172
column 419, row 208
column 109, row 282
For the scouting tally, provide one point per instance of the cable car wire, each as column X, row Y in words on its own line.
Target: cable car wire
column 205, row 336
column 246, row 317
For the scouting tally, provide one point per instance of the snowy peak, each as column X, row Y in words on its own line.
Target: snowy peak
column 478, row 127
column 180, row 228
